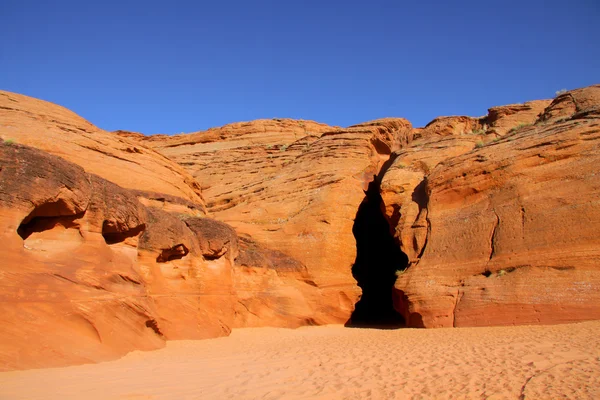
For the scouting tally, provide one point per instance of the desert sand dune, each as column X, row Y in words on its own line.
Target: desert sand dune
column 333, row 362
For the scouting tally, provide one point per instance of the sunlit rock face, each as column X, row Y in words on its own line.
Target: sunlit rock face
column 89, row 272
column 501, row 231
column 294, row 187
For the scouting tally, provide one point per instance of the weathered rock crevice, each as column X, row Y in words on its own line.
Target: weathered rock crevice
column 152, row 324
column 113, row 235
column 493, row 236
column 176, row 252
column 420, row 196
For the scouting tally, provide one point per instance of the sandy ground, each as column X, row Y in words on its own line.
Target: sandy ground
column 333, row 362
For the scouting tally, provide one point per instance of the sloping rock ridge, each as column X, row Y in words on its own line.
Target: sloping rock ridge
column 61, row 132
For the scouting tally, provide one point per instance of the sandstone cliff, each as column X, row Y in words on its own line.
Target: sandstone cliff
column 467, row 221
column 294, row 187
column 89, row 272
column 501, row 231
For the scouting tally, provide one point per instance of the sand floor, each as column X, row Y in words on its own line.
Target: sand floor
column 333, row 362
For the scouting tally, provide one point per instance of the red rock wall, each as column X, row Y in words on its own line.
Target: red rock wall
column 293, row 187
column 90, row 273
column 502, row 233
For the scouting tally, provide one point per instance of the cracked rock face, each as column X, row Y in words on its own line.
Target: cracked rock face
column 501, row 233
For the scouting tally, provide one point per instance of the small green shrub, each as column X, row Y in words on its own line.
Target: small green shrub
column 559, row 92
column 9, row 141
column 400, row 272
column 516, row 128
column 284, row 147
column 479, row 144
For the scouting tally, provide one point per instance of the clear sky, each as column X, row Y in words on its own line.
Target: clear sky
column 181, row 66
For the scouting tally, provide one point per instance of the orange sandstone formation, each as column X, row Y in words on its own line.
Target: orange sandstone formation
column 505, row 232
column 464, row 222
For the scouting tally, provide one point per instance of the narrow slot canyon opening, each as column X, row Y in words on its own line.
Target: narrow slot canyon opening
column 378, row 257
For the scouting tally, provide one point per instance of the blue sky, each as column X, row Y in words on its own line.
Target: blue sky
column 181, row 66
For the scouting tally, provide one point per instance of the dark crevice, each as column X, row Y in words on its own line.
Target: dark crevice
column 386, row 165
column 118, row 278
column 378, row 258
column 421, row 197
column 493, row 237
column 173, row 253
column 112, row 235
column 152, row 324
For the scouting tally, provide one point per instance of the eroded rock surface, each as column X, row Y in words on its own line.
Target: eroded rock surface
column 499, row 121
column 495, row 220
column 126, row 162
column 89, row 272
column 501, row 231
column 292, row 187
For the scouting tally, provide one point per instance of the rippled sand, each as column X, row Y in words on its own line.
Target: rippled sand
column 333, row 362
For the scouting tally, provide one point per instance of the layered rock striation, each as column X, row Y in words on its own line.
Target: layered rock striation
column 294, row 187
column 119, row 159
column 501, row 231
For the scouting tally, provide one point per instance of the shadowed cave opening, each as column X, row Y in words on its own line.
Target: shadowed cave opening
column 378, row 257
column 47, row 216
column 112, row 234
